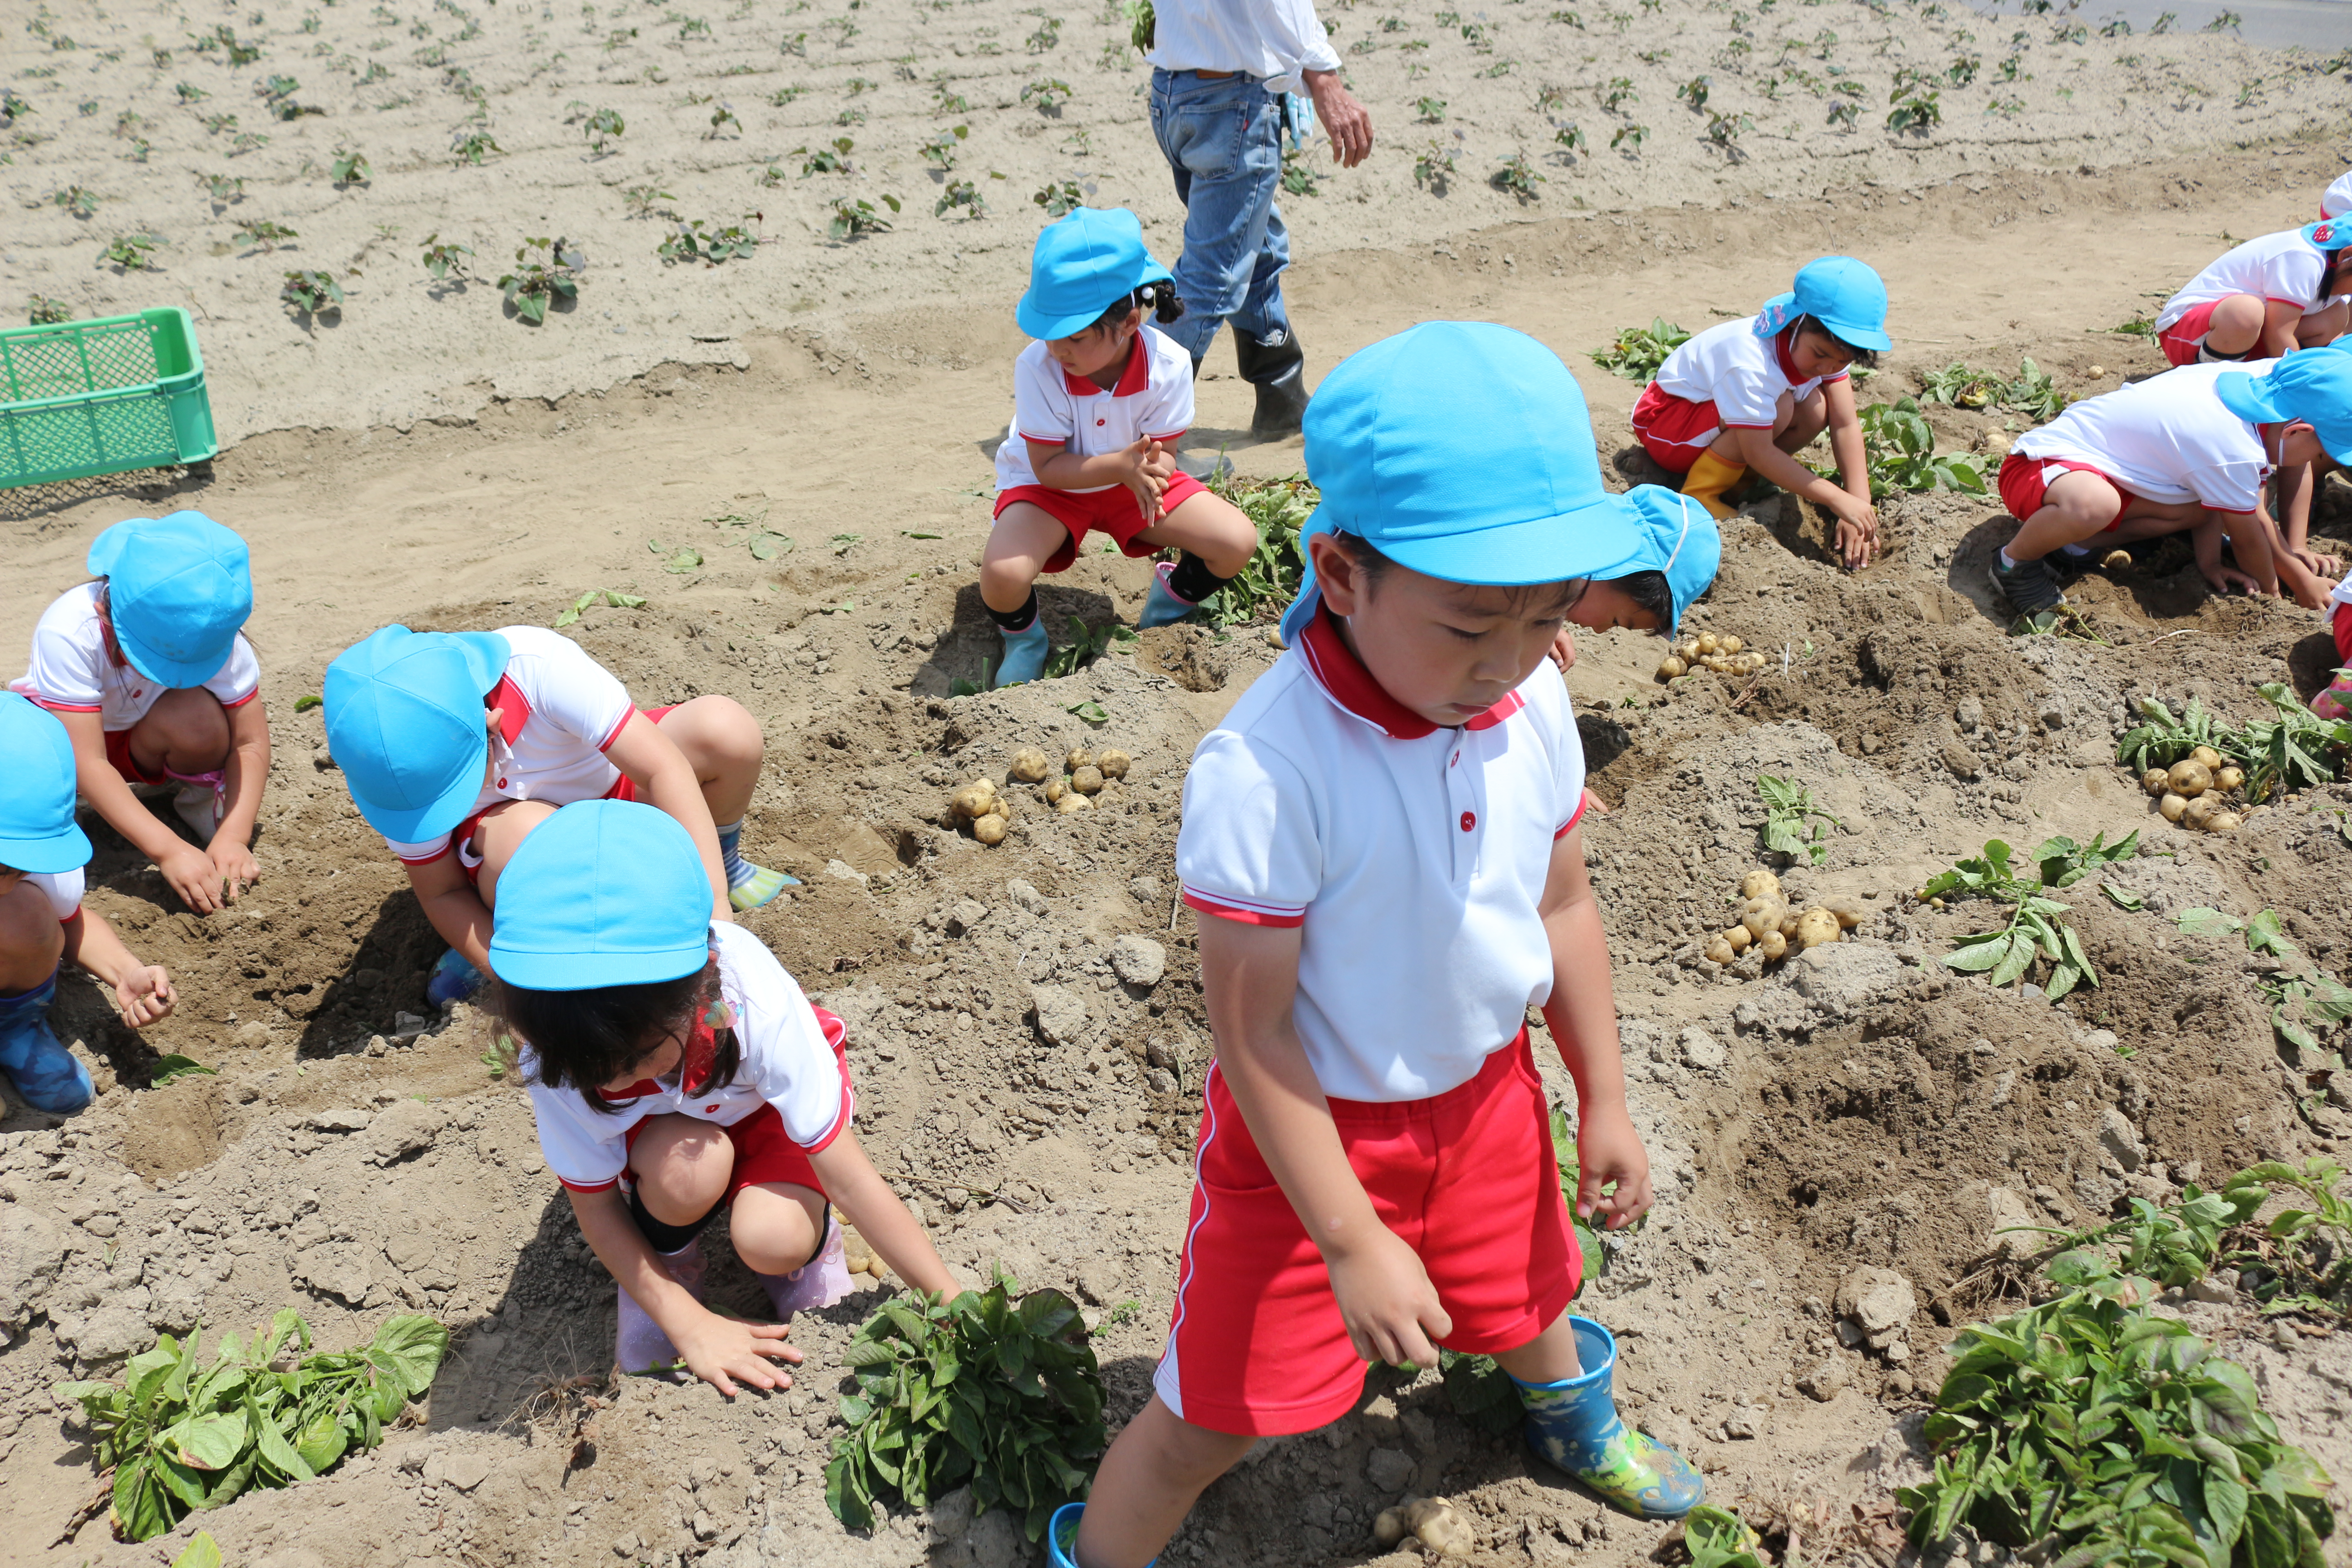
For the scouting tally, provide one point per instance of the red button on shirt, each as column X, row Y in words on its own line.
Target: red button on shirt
column 1469, row 820
column 1102, row 421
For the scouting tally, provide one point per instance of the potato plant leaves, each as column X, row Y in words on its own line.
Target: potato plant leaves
column 2036, row 928
column 1792, row 823
column 2293, row 749
column 991, row 1390
column 180, row 1437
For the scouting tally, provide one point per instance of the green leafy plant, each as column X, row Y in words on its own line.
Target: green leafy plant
column 2223, row 22
column 1269, row 580
column 1959, row 386
column 311, row 291
column 1724, row 129
column 603, row 129
column 830, row 159
column 351, row 169
column 1084, row 647
column 996, row 1392
column 852, row 219
column 1048, row 35
column 443, row 258
column 1694, row 92
column 1915, row 104
column 2295, row 749
column 941, row 150
column 1431, row 111
column 545, row 270
column 701, row 241
column 179, row 1436
column 1901, row 448
column 1518, row 178
column 2300, row 1259
column 721, row 118
column 1433, row 169
column 580, row 605
column 168, row 1067
column 43, row 312
column 224, row 189
column 678, row 560
column 264, row 233
column 76, row 199
column 1793, row 824
column 2036, row 927
column 1569, row 137
column 1047, row 95
column 474, row 146
column 1298, row 175
column 1639, row 350
column 189, row 92
column 644, row 200
column 1621, row 91
column 1630, row 136
column 1059, row 197
column 962, row 195
column 1845, row 112
column 133, row 252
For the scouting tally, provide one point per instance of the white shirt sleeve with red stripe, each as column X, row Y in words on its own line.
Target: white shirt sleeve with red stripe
column 62, row 888
column 1042, row 409
column 68, row 666
column 1255, row 855
column 788, row 1044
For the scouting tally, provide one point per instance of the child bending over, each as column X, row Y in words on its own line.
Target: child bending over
column 1382, row 841
column 2263, row 300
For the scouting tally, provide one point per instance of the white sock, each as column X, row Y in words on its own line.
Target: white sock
column 2008, row 560
column 2073, row 549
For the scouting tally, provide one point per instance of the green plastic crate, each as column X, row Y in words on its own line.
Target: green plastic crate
column 99, row 396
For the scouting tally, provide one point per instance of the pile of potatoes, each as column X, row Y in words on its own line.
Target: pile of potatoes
column 1775, row 927
column 1432, row 1521
column 990, row 810
column 859, row 1254
column 2194, row 792
column 1723, row 654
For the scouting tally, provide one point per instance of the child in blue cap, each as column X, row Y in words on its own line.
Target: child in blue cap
column 1099, row 402
column 2263, row 298
column 1382, row 840
column 43, row 926
column 2190, row 450
column 676, row 1069
column 152, row 677
column 456, row 744
column 1744, row 395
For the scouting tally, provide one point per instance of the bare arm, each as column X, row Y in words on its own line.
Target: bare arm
column 666, row 781
column 1344, row 119
column 1848, row 501
column 719, row 1350
column 187, row 868
column 453, row 908
column 1250, row 977
column 243, row 776
column 1582, row 1016
column 2280, row 319
column 858, row 1190
column 143, row 991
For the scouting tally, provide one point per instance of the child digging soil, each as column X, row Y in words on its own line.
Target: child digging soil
column 1382, row 840
column 675, row 1068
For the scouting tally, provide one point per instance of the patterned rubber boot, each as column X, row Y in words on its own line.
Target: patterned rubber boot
column 1164, row 606
column 820, row 1282
column 2335, row 703
column 453, row 979
column 1575, row 1426
column 640, row 1348
column 1024, row 653
column 760, row 887
column 1062, row 1537
column 49, row 1076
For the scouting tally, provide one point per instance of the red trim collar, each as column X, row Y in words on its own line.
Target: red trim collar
column 514, row 707
column 1344, row 679
column 1135, row 378
column 702, row 1056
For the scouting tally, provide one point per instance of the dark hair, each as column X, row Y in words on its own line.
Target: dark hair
column 586, row 1040
column 1523, row 597
column 1649, row 592
column 1866, row 358
column 1159, row 298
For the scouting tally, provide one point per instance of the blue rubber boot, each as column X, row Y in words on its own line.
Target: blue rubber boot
column 35, row 1060
column 453, row 980
column 1024, row 653
column 1163, row 606
column 1062, row 1537
column 1575, row 1426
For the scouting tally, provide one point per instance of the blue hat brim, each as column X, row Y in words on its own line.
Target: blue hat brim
column 1033, row 321
column 592, row 971
column 486, row 654
column 2255, row 400
column 174, row 672
column 48, row 854
column 1859, row 334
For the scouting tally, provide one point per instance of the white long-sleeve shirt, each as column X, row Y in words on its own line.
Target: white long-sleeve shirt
column 1272, row 39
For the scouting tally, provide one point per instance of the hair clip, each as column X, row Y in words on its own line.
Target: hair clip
column 722, row 1016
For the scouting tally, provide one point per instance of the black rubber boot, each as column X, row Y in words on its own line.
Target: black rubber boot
column 1278, row 371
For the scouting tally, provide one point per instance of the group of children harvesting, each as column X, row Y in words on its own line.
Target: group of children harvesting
column 1383, row 839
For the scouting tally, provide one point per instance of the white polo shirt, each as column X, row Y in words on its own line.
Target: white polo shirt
column 1742, row 375
column 791, row 1060
column 71, row 672
column 2336, row 201
column 62, row 888
column 558, row 709
column 1273, row 40
column 2169, row 439
column 1153, row 399
column 2284, row 267
column 1414, row 856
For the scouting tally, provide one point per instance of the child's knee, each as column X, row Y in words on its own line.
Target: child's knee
column 682, row 1176
column 775, row 1229
column 190, row 727
column 721, row 733
column 2239, row 315
column 31, row 939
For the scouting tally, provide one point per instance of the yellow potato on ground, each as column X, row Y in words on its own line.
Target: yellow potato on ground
column 2200, row 810
column 1762, row 915
column 1728, row 645
column 1738, row 937
column 969, row 802
column 1112, row 762
column 1054, row 790
column 2206, row 754
column 2223, row 822
column 1719, row 951
column 2189, row 777
column 1074, row 803
column 1788, row 924
column 989, row 829
column 2157, row 782
column 1849, row 913
column 1390, row 1528
column 2117, row 560
column 1030, row 765
column 2172, row 806
column 2228, row 778
column 1760, row 885
column 1086, row 780
column 1816, row 926
column 1439, row 1529
column 1773, row 946
column 1688, row 650
column 1670, row 667
column 1078, row 758
column 1710, row 643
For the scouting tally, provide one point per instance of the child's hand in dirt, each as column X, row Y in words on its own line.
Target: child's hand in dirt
column 1387, row 1301
column 723, row 1351
column 234, row 866
column 1563, row 651
column 2319, row 565
column 2228, row 580
column 1608, row 1149
column 1857, row 531
column 144, row 995
column 194, row 877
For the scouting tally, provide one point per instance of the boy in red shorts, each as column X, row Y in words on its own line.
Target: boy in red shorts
column 2263, row 300
column 2190, row 449
column 1382, row 841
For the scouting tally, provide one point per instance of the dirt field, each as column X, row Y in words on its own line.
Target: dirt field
column 1862, row 1107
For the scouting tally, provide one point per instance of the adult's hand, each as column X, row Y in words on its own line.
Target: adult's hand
column 1344, row 119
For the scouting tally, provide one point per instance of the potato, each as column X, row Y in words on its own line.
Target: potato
column 1003, row 806
column 1816, row 926
column 2172, row 806
column 2117, row 560
column 2199, row 811
column 2157, row 782
column 2226, row 779
column 1760, row 885
column 1753, row 662
column 1719, row 951
column 1773, row 946
column 1849, row 913
column 2223, row 822
column 969, row 802
column 1086, row 780
column 1710, row 643
column 1079, row 758
column 1762, row 915
column 989, row 829
column 1687, row 649
column 1112, row 762
column 1074, row 803
column 1030, row 765
column 1441, row 1530
column 1054, row 790
column 1789, row 922
column 1728, row 645
column 2206, row 754
column 1390, row 1528
column 2190, row 777
column 1671, row 667
column 1716, row 662
column 1738, row 937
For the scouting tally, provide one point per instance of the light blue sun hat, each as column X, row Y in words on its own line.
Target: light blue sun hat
column 1083, row 265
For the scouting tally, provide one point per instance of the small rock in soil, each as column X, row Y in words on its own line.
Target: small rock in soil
column 405, row 1127
column 31, row 1250
column 1139, row 960
column 967, row 914
column 1390, row 1468
column 1027, row 897
column 1701, row 1050
column 2010, row 1210
column 2119, row 1138
column 1879, row 1301
column 1825, row 1380
column 1062, row 1016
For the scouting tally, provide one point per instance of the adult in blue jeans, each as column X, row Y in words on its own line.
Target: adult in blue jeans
column 1224, row 80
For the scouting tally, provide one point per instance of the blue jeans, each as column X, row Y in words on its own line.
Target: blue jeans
column 1223, row 140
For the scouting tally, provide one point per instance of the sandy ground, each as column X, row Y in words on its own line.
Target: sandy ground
column 1859, row 1108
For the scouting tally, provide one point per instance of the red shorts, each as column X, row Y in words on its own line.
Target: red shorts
column 118, row 752
column 626, row 789
column 2340, row 625
column 1110, row 511
column 2182, row 340
column 1468, row 1180
column 1675, row 430
column 764, row 1152
column 2024, row 483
